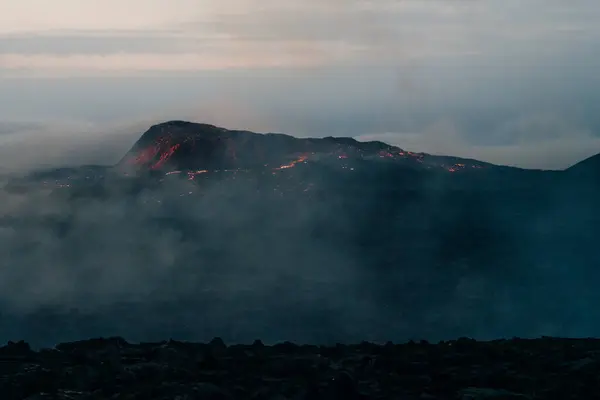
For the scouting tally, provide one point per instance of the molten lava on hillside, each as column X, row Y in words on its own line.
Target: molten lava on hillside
column 190, row 148
column 300, row 159
column 164, row 157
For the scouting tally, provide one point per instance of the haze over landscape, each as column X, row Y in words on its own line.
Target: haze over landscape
column 119, row 217
column 507, row 82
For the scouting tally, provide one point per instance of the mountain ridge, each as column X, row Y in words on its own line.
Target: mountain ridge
column 590, row 165
column 162, row 140
column 262, row 242
column 190, row 145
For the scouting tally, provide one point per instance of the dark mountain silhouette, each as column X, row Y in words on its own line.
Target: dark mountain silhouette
column 193, row 146
column 592, row 162
column 586, row 169
column 346, row 236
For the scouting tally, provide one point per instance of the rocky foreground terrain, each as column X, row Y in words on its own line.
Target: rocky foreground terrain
column 546, row 368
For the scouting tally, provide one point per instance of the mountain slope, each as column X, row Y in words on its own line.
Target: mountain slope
column 590, row 167
column 193, row 146
column 211, row 231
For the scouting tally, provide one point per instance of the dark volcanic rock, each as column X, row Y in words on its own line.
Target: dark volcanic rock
column 546, row 368
column 183, row 145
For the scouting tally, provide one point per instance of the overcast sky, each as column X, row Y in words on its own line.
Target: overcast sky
column 512, row 81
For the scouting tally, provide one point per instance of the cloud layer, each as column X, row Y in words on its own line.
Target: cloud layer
column 206, row 34
column 508, row 82
column 543, row 141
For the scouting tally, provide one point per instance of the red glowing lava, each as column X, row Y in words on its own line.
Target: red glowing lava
column 164, row 157
column 384, row 153
column 300, row 159
column 162, row 151
column 192, row 174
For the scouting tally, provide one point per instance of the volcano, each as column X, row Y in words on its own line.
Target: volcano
column 188, row 149
column 459, row 208
column 363, row 238
column 181, row 145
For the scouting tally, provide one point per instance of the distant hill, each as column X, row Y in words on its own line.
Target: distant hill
column 192, row 146
column 589, row 167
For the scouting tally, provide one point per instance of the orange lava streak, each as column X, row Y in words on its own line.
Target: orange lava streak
column 300, row 159
column 165, row 156
column 455, row 167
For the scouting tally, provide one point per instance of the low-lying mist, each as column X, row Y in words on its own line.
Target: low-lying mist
column 242, row 260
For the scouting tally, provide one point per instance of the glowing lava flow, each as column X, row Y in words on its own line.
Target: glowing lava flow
column 165, row 156
column 456, row 167
column 192, row 174
column 300, row 159
column 157, row 155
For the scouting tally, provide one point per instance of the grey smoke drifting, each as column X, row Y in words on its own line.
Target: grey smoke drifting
column 244, row 266
column 122, row 250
